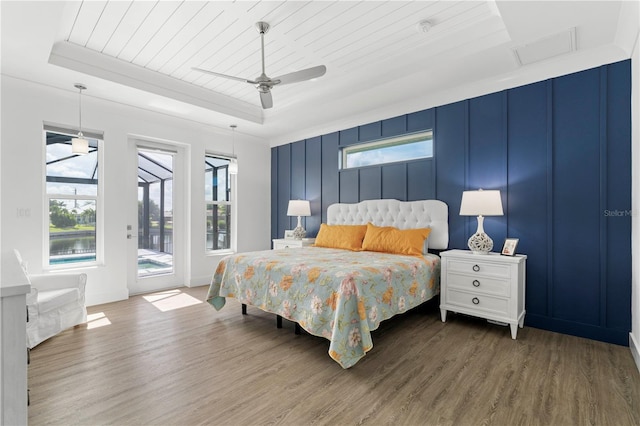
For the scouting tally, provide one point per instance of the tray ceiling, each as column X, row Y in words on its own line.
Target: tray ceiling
column 142, row 52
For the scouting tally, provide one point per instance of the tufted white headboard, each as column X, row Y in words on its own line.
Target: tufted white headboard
column 432, row 214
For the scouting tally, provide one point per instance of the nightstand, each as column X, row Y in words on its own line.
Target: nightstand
column 281, row 243
column 488, row 286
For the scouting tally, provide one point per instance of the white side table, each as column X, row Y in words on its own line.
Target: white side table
column 281, row 243
column 488, row 286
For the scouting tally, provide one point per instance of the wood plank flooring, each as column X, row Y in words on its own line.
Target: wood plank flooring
column 171, row 359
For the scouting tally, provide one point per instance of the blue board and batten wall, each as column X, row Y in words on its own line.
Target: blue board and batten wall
column 560, row 153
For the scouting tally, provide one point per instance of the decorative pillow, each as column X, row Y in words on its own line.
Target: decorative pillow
column 348, row 237
column 388, row 239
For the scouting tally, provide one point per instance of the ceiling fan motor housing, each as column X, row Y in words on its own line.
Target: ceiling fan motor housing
column 262, row 27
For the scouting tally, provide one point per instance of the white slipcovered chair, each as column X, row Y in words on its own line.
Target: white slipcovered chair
column 56, row 302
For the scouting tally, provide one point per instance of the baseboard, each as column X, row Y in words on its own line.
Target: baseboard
column 102, row 298
column 198, row 281
column 635, row 350
column 603, row 334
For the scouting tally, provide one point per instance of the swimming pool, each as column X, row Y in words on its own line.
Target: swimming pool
column 71, row 259
column 142, row 263
column 150, row 264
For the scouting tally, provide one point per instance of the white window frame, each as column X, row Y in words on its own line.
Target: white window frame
column 384, row 143
column 232, row 203
column 98, row 199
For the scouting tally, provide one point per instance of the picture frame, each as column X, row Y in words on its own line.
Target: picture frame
column 509, row 246
column 288, row 234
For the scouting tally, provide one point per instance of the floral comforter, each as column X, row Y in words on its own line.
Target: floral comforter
column 337, row 294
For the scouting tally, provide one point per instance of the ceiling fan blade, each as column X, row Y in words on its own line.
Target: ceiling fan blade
column 217, row 74
column 306, row 74
column 266, row 99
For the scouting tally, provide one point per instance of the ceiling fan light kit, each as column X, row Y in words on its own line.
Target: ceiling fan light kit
column 263, row 83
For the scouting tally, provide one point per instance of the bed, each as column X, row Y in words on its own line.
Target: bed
column 339, row 294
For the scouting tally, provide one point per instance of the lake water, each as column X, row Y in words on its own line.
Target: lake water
column 65, row 245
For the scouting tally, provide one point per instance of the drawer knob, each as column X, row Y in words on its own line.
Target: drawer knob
column 476, row 268
column 475, row 300
column 476, row 283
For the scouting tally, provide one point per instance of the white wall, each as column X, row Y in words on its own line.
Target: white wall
column 634, row 338
column 26, row 106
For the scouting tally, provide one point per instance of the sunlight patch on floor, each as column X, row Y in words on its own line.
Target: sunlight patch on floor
column 170, row 300
column 96, row 320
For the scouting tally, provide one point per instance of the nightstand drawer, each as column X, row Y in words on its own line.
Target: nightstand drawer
column 480, row 284
column 481, row 267
column 280, row 246
column 478, row 302
column 281, row 243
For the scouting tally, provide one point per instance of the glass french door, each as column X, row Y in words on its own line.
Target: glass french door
column 159, row 219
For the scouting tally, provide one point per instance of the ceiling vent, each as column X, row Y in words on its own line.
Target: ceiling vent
column 546, row 48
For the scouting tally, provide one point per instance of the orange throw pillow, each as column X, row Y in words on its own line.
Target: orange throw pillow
column 348, row 237
column 388, row 239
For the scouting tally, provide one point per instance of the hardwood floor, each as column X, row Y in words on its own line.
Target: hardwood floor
column 171, row 359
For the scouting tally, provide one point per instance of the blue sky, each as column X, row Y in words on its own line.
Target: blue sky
column 390, row 154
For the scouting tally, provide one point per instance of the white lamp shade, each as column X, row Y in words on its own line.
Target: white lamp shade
column 79, row 145
column 233, row 167
column 299, row 208
column 481, row 203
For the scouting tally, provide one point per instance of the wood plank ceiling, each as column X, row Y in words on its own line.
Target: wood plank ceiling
column 379, row 65
column 350, row 38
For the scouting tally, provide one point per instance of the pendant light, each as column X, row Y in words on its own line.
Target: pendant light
column 233, row 164
column 79, row 145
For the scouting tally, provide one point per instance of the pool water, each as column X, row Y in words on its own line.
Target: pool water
column 142, row 264
column 65, row 260
column 148, row 264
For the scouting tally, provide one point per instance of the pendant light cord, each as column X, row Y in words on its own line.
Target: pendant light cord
column 233, row 140
column 80, row 111
column 80, row 88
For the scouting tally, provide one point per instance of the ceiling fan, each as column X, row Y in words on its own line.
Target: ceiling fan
column 264, row 83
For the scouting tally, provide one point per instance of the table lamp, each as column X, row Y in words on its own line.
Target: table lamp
column 299, row 208
column 481, row 203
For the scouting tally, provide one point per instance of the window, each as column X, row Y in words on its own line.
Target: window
column 72, row 189
column 402, row 148
column 218, row 202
